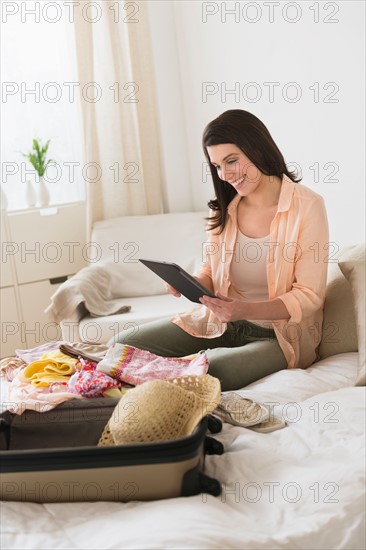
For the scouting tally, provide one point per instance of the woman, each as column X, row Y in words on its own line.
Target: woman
column 265, row 259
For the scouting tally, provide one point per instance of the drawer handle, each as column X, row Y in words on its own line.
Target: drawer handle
column 58, row 280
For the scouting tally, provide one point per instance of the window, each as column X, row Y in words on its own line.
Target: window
column 40, row 98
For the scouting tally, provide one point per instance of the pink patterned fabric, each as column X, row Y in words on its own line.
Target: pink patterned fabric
column 135, row 366
column 85, row 364
column 89, row 383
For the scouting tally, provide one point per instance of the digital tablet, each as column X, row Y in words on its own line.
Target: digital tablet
column 178, row 279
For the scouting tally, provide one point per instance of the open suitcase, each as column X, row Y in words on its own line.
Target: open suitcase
column 54, row 457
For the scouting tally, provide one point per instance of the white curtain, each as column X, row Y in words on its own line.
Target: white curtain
column 123, row 167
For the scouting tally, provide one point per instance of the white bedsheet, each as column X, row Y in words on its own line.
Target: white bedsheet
column 299, row 487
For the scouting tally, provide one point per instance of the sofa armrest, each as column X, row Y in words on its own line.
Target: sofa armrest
column 70, row 327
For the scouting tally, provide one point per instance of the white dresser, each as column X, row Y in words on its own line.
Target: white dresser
column 40, row 249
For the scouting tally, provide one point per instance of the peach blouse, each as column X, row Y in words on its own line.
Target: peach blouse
column 297, row 266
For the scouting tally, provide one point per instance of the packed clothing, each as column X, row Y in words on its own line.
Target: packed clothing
column 45, row 376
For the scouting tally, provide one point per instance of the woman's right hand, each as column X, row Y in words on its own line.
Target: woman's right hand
column 172, row 290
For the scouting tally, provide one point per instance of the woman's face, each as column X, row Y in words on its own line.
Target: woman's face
column 234, row 167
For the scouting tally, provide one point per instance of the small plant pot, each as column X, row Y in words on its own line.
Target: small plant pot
column 3, row 200
column 43, row 193
column 30, row 195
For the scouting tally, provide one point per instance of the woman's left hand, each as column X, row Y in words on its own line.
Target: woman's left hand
column 226, row 309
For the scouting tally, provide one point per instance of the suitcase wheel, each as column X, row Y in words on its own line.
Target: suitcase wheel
column 209, row 485
column 214, row 424
column 212, row 446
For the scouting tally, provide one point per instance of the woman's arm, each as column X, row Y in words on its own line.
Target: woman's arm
column 307, row 294
column 227, row 309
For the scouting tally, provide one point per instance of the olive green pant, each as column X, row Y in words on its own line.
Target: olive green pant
column 243, row 354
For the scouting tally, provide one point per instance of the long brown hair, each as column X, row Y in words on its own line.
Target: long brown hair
column 249, row 134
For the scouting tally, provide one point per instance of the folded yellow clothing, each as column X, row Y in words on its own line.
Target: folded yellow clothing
column 59, row 357
column 44, row 379
column 52, row 367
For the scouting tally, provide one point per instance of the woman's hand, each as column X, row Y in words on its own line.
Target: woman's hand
column 172, row 290
column 226, row 309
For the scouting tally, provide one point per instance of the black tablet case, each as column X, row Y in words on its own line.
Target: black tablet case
column 178, row 279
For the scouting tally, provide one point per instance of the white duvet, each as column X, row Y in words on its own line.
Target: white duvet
column 299, row 487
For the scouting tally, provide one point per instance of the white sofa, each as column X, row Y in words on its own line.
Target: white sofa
column 117, row 244
column 179, row 237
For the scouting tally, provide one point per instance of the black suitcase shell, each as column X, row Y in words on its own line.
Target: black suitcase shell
column 53, row 457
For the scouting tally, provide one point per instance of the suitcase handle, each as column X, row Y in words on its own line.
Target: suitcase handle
column 4, row 434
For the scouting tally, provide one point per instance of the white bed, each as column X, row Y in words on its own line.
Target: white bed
column 300, row 487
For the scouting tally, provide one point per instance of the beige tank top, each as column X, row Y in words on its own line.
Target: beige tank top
column 248, row 272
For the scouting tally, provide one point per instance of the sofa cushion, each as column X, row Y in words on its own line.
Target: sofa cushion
column 143, row 310
column 176, row 237
column 339, row 323
column 355, row 273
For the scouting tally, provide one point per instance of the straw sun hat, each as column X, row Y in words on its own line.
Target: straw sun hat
column 161, row 410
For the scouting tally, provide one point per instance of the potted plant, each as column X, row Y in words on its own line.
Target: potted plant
column 37, row 158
